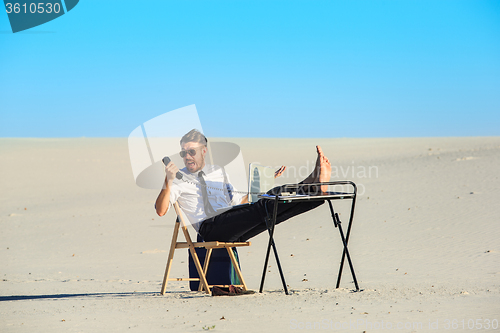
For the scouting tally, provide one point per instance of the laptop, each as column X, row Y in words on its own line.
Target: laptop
column 260, row 180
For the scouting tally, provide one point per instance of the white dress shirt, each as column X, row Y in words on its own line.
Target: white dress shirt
column 187, row 193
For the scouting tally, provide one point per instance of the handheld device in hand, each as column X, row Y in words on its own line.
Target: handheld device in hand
column 166, row 161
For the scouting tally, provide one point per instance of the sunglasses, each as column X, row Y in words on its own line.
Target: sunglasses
column 184, row 153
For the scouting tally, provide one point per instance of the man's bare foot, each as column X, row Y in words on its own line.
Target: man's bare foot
column 317, row 167
column 321, row 173
column 325, row 170
column 320, row 151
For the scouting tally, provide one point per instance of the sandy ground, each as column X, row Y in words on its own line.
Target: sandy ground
column 82, row 249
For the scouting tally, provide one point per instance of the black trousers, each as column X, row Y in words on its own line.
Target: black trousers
column 239, row 225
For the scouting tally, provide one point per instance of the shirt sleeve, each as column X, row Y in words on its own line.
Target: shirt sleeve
column 175, row 193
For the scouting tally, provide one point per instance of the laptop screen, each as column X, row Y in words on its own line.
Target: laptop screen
column 260, row 180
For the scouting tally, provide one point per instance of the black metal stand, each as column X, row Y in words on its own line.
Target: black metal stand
column 336, row 221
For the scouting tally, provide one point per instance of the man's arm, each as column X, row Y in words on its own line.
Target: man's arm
column 163, row 200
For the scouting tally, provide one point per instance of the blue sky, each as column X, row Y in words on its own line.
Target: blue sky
column 257, row 68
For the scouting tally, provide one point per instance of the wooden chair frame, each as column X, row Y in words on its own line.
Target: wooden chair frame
column 202, row 271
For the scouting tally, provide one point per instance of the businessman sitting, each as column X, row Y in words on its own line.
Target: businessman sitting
column 201, row 202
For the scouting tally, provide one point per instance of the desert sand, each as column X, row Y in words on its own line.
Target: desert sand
column 82, row 249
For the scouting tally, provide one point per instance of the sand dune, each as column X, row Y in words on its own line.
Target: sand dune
column 83, row 250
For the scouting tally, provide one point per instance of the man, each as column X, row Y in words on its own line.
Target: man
column 201, row 201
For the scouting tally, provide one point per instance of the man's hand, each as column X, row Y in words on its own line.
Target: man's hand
column 170, row 170
column 279, row 172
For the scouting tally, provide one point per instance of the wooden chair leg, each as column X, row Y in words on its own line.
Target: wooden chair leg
column 236, row 267
column 170, row 257
column 205, row 265
column 203, row 279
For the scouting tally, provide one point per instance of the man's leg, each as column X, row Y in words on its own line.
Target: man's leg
column 231, row 225
column 246, row 222
column 292, row 210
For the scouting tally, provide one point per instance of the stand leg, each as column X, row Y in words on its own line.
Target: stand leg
column 337, row 223
column 279, row 269
column 346, row 240
column 271, row 243
column 340, row 270
column 348, row 256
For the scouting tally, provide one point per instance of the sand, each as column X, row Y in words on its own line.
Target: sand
column 82, row 249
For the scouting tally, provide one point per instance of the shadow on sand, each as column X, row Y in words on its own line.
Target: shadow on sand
column 85, row 295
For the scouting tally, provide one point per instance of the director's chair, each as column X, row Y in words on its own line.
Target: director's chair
column 202, row 271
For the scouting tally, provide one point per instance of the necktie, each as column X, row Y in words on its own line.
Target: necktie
column 209, row 210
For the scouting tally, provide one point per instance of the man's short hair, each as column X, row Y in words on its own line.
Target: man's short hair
column 194, row 136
